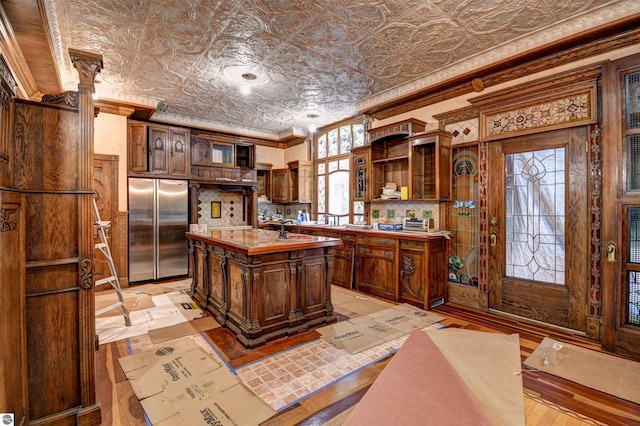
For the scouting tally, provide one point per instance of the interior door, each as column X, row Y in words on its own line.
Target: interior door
column 621, row 207
column 538, row 227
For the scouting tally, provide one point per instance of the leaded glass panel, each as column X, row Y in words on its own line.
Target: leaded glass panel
column 633, row 237
column 322, row 146
column 535, row 217
column 358, row 135
column 321, row 168
column 633, row 162
column 633, row 284
column 345, row 139
column 333, row 166
column 321, row 193
column 632, row 86
column 344, row 164
column 332, row 139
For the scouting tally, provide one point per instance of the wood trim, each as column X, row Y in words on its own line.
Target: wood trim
column 580, row 82
column 616, row 35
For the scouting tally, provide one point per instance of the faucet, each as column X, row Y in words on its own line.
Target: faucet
column 335, row 219
column 283, row 232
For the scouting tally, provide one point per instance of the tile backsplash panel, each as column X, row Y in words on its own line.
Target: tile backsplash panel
column 420, row 210
column 230, row 208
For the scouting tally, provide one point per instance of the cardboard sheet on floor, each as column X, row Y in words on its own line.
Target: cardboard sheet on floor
column 133, row 302
column 406, row 318
column 490, row 365
column 604, row 372
column 471, row 377
column 367, row 331
column 171, row 401
column 165, row 313
column 418, row 387
column 178, row 383
column 153, row 371
column 232, row 407
column 197, row 325
column 351, row 337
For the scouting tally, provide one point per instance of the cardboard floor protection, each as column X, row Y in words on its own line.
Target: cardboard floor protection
column 133, row 302
column 604, row 372
column 352, row 304
column 170, row 309
column 179, row 383
column 367, row 331
column 184, row 329
column 440, row 377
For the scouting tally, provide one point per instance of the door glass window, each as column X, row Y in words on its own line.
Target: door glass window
column 535, row 215
column 633, row 258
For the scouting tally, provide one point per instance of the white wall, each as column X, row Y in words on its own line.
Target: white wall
column 110, row 137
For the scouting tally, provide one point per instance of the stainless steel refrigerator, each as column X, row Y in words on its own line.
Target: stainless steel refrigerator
column 158, row 220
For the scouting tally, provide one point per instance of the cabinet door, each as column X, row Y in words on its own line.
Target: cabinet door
column 158, row 149
column 343, row 262
column 305, row 177
column 361, row 170
column 137, row 147
column 179, row 152
column 280, row 188
column 376, row 267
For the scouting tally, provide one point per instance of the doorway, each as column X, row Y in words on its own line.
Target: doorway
column 537, row 209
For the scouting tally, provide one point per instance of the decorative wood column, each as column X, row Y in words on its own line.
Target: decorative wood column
column 88, row 65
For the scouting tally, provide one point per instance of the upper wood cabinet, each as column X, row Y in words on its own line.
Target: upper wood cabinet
column 300, row 180
column 420, row 161
column 263, row 175
column 430, row 154
column 158, row 149
column 280, row 189
column 293, row 184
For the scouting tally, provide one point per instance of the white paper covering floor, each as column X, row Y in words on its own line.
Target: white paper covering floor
column 170, row 309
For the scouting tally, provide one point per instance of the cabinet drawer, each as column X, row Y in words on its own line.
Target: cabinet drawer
column 376, row 241
column 411, row 244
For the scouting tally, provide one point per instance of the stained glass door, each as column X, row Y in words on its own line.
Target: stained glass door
column 538, row 216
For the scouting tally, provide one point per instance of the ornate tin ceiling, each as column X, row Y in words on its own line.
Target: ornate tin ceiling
column 326, row 57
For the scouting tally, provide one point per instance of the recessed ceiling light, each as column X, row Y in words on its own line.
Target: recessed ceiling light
column 312, row 116
column 249, row 76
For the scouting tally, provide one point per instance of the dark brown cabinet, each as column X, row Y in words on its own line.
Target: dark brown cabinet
column 376, row 266
column 430, row 154
column 263, row 176
column 423, row 272
column 343, row 259
column 158, row 150
column 408, row 156
column 280, row 189
column 293, row 184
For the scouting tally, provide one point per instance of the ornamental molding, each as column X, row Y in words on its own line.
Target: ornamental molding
column 8, row 219
column 557, row 102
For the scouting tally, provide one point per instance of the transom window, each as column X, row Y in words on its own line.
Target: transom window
column 333, row 161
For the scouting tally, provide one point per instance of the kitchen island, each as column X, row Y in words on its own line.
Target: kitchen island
column 262, row 286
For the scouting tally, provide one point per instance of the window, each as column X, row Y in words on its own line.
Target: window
column 333, row 178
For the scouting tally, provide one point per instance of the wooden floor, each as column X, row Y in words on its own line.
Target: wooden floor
column 549, row 400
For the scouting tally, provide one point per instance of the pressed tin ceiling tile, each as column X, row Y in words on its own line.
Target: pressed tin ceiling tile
column 324, row 57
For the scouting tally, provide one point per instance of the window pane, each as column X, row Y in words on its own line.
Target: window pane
column 333, row 142
column 322, row 146
column 633, row 284
column 537, row 226
column 333, row 166
column 339, row 193
column 344, row 164
column 633, row 237
column 345, row 139
column 358, row 207
column 321, row 194
column 321, row 168
column 358, row 135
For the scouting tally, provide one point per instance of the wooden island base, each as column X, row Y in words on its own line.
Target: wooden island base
column 260, row 286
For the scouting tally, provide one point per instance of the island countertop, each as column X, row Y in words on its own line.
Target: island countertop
column 261, row 241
